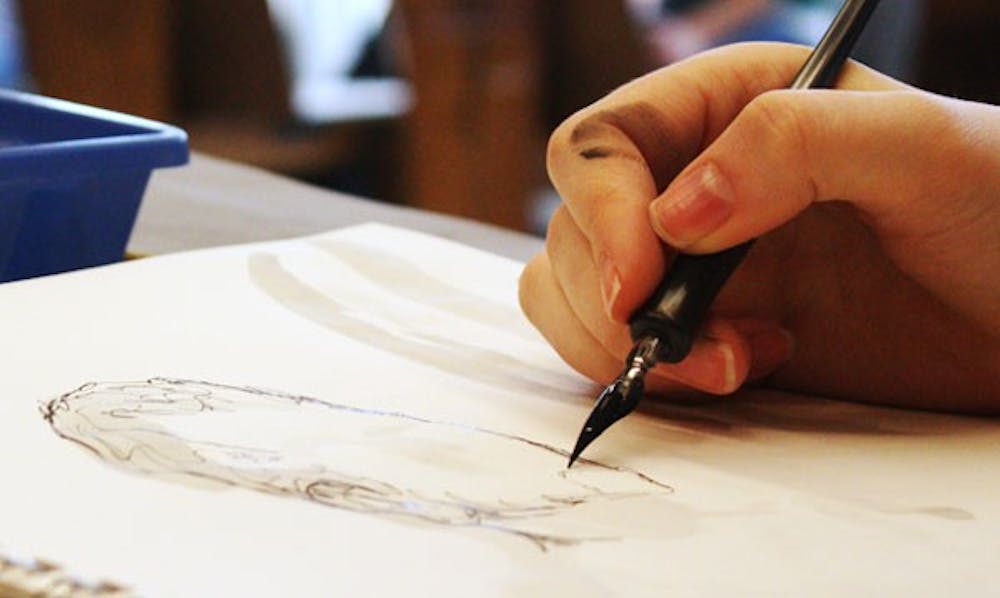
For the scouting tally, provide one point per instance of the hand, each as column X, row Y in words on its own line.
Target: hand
column 875, row 277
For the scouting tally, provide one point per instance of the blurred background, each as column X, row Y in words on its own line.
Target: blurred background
column 439, row 104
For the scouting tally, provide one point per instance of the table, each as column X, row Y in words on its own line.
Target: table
column 212, row 202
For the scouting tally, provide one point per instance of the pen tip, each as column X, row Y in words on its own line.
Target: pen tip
column 572, row 459
column 614, row 403
column 585, row 438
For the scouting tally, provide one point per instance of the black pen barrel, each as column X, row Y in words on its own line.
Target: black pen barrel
column 824, row 63
column 676, row 310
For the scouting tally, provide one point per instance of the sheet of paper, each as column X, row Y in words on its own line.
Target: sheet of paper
column 367, row 413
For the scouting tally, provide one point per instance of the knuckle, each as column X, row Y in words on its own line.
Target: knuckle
column 938, row 120
column 556, row 144
column 932, row 110
column 560, row 141
column 608, row 130
column 777, row 115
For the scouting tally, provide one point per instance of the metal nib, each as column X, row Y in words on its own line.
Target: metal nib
column 621, row 397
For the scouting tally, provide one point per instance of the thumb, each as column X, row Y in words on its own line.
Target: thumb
column 920, row 168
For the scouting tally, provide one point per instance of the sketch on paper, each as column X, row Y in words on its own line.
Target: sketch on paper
column 23, row 576
column 363, row 460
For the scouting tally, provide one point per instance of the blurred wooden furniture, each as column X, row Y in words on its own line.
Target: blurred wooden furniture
column 474, row 138
column 116, row 54
column 959, row 49
column 490, row 78
column 591, row 47
column 214, row 68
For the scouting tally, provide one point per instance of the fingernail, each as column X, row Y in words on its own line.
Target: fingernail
column 693, row 206
column 611, row 284
column 729, row 367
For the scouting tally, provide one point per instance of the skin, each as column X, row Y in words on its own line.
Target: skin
column 877, row 208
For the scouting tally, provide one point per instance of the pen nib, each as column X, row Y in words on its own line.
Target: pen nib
column 620, row 398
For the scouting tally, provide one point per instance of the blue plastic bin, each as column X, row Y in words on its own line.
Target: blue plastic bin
column 71, row 181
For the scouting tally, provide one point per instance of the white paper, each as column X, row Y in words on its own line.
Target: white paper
column 367, row 413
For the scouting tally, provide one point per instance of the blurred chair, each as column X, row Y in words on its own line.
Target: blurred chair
column 473, row 137
column 591, row 47
column 491, row 78
column 115, row 54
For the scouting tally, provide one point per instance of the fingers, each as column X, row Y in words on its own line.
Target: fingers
column 915, row 165
column 545, row 305
column 607, row 185
column 558, row 294
column 786, row 150
column 718, row 362
column 771, row 346
column 610, row 160
column 574, row 270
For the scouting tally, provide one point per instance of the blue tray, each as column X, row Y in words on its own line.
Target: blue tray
column 71, row 181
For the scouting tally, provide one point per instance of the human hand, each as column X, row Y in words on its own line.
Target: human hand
column 878, row 212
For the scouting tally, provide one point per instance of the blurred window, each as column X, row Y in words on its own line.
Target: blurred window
column 326, row 44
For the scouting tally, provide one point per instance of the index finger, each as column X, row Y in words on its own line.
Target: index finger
column 611, row 159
